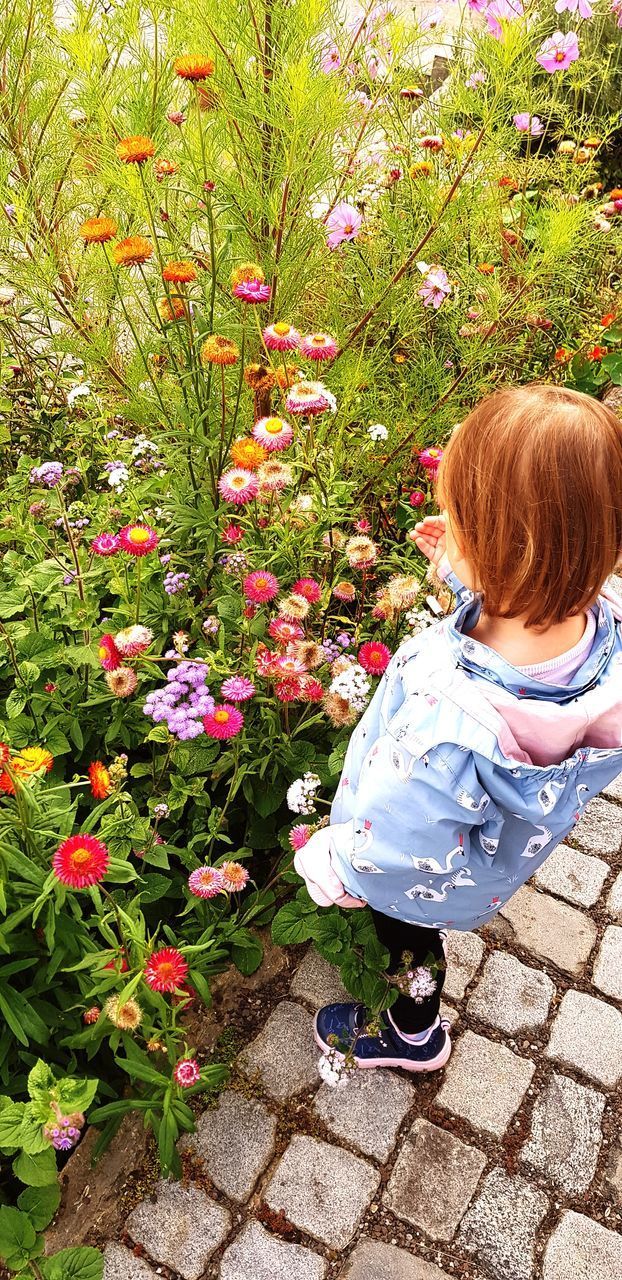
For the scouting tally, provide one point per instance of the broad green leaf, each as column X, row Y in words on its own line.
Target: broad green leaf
column 290, row 925
column 246, row 951
column 11, row 1118
column 17, row 1237
column 40, row 1203
column 36, row 1171
column 31, row 1137
column 40, row 1081
column 74, row 1264
column 76, row 1095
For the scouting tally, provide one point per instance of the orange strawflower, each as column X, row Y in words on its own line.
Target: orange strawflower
column 135, row 150
column 30, row 760
column 245, row 272
column 286, row 375
column 191, row 67
column 605, row 322
column 182, row 272
column 422, row 169
column 218, row 350
column 101, row 782
column 133, row 251
column 486, row 268
column 616, row 194
column 98, row 230
column 171, row 309
column 248, row 453
column 165, row 168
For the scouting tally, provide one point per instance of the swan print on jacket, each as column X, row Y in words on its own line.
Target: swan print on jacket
column 464, row 774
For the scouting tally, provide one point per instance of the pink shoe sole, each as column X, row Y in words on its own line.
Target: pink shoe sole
column 406, row 1064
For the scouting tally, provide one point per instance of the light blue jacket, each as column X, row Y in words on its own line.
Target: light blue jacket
column 463, row 775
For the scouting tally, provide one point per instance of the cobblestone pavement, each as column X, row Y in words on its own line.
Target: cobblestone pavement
column 506, row 1165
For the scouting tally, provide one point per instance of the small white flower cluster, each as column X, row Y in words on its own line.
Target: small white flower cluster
column 419, row 619
column 80, row 389
column 377, row 431
column 117, row 476
column 353, row 685
column 143, row 446
column 334, row 1070
column 301, row 794
column 421, row 983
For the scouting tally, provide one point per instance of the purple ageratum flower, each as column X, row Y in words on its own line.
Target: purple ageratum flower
column 237, row 689
column 252, row 291
column 499, row 11
column 581, row 7
column 436, row 287
column 343, row 223
column 526, row 123
column 557, row 53
column 48, row 474
column 175, row 582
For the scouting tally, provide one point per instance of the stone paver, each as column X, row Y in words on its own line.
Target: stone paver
column 614, row 790
column 284, row 1053
column 318, row 981
column 613, row 1175
column 235, row 1141
column 565, row 1134
column 600, row 828
column 581, row 1249
column 322, row 1189
column 464, row 956
column 120, row 1264
column 501, row 1226
column 257, row 1255
column 576, row 876
column 450, row 1014
column 485, row 1083
column 608, row 963
column 372, row 1260
column 434, row 1180
column 587, row 1035
column 367, row 1111
column 551, row 929
column 510, row 995
column 182, row 1229
column 614, row 901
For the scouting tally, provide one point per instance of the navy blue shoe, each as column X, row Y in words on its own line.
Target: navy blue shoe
column 338, row 1028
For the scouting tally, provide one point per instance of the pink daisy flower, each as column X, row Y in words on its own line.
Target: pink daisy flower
column 225, row 721
column 187, row 1072
column 252, row 291
column 343, row 223
column 273, row 433
column 233, row 533
column 308, row 588
column 557, row 53
column 234, row 876
column 374, row 657
column 238, row 485
column 285, row 632
column 289, row 690
column 299, row 835
column 237, row 689
column 138, row 539
column 205, row 882
column 310, row 397
column 318, row 346
column 106, row 544
column 260, row 586
column 281, row 337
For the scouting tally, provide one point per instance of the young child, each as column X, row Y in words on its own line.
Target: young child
column 491, row 730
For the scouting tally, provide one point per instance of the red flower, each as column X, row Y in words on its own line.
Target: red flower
column 4, row 752
column 608, row 319
column 99, row 777
column 312, row 689
column 374, row 657
column 108, row 653
column 138, row 539
column 80, row 862
column 166, row 970
column 289, row 690
column 308, row 588
column 562, row 354
column 187, row 1072
column 119, row 964
column 596, row 353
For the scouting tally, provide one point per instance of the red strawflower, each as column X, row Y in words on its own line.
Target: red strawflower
column 108, row 653
column 374, row 657
column 138, row 539
column 80, row 862
column 166, row 969
column 289, row 690
column 233, row 533
column 312, row 689
column 223, row 722
column 187, row 1072
column 106, row 544
column 119, row 964
column 608, row 319
column 308, row 588
column 7, row 784
column 299, row 836
column 260, row 586
column 91, row 1015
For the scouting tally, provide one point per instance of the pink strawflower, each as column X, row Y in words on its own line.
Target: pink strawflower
column 430, row 459
column 344, row 591
column 526, row 123
column 260, row 586
column 281, row 337
column 309, row 589
column 435, row 287
column 499, row 11
column 108, row 654
column 581, row 7
column 312, row 689
column 205, row 882
column 232, row 533
column 289, row 690
column 299, row 835
column 374, row 657
column 288, row 664
column 557, row 53
column 309, row 398
column 237, row 689
column 238, row 485
column 252, row 291
column 318, row 346
column 273, row 433
column 286, row 632
column 363, row 526
column 234, row 876
column 187, row 1072
column 133, row 640
column 138, row 539
column 106, row 544
column 225, row 721
column 343, row 223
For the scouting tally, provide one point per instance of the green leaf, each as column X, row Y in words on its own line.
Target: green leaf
column 290, row 925
column 36, row 1171
column 76, row 1095
column 11, row 1119
column 74, row 1264
column 40, row 1203
column 613, row 365
column 40, row 1081
column 15, row 703
column 246, row 952
column 17, row 1237
column 31, row 1137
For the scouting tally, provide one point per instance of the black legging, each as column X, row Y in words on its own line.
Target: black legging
column 398, row 936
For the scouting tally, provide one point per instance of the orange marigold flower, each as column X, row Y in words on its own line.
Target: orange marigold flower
column 169, row 309
column 133, row 251
column 219, row 350
column 248, row 453
column 182, row 272
column 166, row 168
column 245, row 272
column 31, row 759
column 191, row 67
column 101, row 782
column 486, row 268
column 98, row 230
column 135, row 150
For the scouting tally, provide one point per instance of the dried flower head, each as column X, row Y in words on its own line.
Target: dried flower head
column 122, row 681
column 259, row 377
column 245, row 273
column 127, row 1016
column 361, row 552
column 338, row 710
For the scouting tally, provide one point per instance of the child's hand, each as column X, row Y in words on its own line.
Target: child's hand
column 312, row 862
column 430, row 538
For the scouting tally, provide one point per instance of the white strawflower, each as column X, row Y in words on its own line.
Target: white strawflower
column 353, row 685
column 377, row 431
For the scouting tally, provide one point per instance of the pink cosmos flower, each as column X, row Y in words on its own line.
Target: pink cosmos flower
column 260, row 586
column 526, row 123
column 478, row 77
column 499, row 11
column 238, row 485
column 138, row 539
column 557, row 53
column 331, row 58
column 232, row 533
column 225, row 721
column 237, row 689
column 436, row 287
column 187, row 1072
column 252, row 291
column 581, row 7
column 106, row 544
column 281, row 337
column 318, row 346
column 205, row 882
column 299, row 835
column 374, row 657
column 286, row 632
column 309, row 589
column 273, row 433
column 234, row 876
column 478, row 6
column 309, row 398
column 343, row 223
